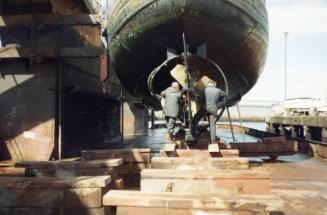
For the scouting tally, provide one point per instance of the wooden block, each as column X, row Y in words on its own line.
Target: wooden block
column 53, row 183
column 203, row 181
column 151, row 202
column 206, row 154
column 133, row 168
column 265, row 148
column 51, row 198
column 213, row 148
column 72, row 164
column 83, row 198
column 199, row 164
column 64, row 169
column 230, row 153
column 12, row 172
column 278, row 139
column 45, row 198
column 7, row 164
column 128, row 155
column 53, row 211
column 163, row 153
column 119, row 184
column 322, row 150
column 66, row 172
column 123, row 210
column 170, row 147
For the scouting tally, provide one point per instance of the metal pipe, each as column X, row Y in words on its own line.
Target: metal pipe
column 230, row 123
column 285, row 74
column 60, row 113
column 241, row 121
column 189, row 136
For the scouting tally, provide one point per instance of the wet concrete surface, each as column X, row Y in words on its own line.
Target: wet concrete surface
column 299, row 180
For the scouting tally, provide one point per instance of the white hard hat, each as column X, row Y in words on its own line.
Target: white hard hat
column 175, row 85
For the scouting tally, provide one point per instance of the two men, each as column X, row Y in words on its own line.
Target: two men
column 173, row 99
column 211, row 99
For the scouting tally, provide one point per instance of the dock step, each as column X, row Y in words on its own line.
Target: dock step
column 24, row 195
column 204, row 181
column 64, row 169
column 134, row 161
column 150, row 203
column 199, row 164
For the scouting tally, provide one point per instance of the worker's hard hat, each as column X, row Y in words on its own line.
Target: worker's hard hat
column 211, row 84
column 175, row 85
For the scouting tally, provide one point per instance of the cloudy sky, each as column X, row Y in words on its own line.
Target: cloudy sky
column 306, row 22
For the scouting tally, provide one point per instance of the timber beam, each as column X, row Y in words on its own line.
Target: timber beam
column 135, row 202
column 204, row 181
column 199, row 164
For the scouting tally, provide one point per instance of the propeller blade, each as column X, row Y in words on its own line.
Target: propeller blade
column 178, row 73
column 202, row 83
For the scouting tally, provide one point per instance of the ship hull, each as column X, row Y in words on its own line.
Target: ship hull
column 235, row 33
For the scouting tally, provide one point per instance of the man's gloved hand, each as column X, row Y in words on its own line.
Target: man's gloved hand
column 158, row 97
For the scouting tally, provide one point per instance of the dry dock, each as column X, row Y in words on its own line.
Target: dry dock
column 137, row 181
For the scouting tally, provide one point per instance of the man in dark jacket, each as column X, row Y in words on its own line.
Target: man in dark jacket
column 211, row 100
column 173, row 97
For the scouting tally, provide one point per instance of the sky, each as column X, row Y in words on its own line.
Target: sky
column 306, row 22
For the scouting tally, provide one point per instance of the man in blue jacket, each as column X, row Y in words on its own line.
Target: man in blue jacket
column 173, row 99
column 211, row 99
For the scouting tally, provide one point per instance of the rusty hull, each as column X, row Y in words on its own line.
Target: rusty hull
column 235, row 33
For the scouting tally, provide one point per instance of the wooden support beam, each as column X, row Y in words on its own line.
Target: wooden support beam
column 64, row 169
column 135, row 160
column 128, row 155
column 271, row 148
column 149, row 203
column 71, row 164
column 204, row 181
column 202, row 153
column 75, row 193
column 170, row 147
column 53, row 183
column 199, row 163
column 213, row 148
column 11, row 172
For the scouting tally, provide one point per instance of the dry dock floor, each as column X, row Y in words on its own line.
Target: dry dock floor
column 299, row 180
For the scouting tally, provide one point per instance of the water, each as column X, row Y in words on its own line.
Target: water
column 227, row 136
column 261, row 126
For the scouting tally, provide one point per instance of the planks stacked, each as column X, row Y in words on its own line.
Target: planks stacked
column 199, row 153
column 64, row 169
column 52, row 196
column 192, row 185
column 270, row 146
column 134, row 161
column 145, row 203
